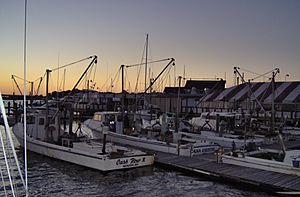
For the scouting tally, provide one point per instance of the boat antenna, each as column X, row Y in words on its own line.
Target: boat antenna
column 24, row 104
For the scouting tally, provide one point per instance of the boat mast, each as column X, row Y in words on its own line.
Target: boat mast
column 178, row 106
column 47, row 105
column 31, row 93
column 146, row 62
column 122, row 102
column 274, row 73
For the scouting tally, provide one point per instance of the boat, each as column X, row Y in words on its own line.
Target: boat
column 219, row 127
column 208, row 120
column 226, row 140
column 151, row 139
column 266, row 159
column 55, row 142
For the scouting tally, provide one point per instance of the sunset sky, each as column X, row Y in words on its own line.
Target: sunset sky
column 207, row 37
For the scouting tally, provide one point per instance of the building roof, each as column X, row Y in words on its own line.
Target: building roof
column 205, row 84
column 285, row 92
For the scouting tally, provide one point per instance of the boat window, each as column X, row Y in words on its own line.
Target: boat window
column 110, row 117
column 97, row 117
column 30, row 120
column 41, row 121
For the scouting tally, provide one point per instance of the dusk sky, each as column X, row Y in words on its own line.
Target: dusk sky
column 208, row 37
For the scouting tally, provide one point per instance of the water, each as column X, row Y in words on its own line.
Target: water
column 50, row 177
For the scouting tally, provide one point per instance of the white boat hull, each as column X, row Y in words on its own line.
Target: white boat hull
column 182, row 150
column 225, row 142
column 263, row 164
column 156, row 145
column 83, row 158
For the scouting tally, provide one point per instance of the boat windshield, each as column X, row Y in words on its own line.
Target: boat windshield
column 29, row 119
column 97, row 117
column 110, row 118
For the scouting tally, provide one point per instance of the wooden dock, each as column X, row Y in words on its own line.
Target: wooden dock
column 208, row 167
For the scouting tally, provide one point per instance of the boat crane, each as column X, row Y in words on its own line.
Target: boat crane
column 48, row 71
column 171, row 62
column 14, row 80
column 236, row 71
column 38, row 88
column 272, row 84
column 31, row 85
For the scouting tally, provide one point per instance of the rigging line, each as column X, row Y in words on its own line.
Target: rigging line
column 91, row 74
column 172, row 62
column 61, row 83
column 72, row 63
column 36, row 79
column 164, row 76
column 140, row 68
column 248, row 71
column 117, row 74
column 262, row 75
column 25, row 113
column 21, row 78
column 129, row 87
column 137, row 79
column 95, row 72
column 105, row 83
column 265, row 92
column 152, row 62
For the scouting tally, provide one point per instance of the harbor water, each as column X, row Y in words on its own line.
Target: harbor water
column 51, row 177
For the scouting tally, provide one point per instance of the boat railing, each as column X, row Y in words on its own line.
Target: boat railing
column 12, row 180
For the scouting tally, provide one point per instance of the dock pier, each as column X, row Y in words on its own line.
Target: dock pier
column 207, row 166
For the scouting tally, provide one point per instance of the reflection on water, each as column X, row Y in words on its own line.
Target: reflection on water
column 51, row 177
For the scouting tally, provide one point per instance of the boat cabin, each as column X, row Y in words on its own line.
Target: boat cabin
column 36, row 126
column 111, row 119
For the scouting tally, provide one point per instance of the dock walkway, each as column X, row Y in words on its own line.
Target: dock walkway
column 207, row 166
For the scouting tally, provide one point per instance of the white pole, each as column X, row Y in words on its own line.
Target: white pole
column 24, row 104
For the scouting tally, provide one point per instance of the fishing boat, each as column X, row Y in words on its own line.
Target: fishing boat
column 219, row 127
column 53, row 141
column 225, row 140
column 155, row 139
column 208, row 120
column 266, row 159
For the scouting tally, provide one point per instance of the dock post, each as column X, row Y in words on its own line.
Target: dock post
column 8, row 108
column 217, row 124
